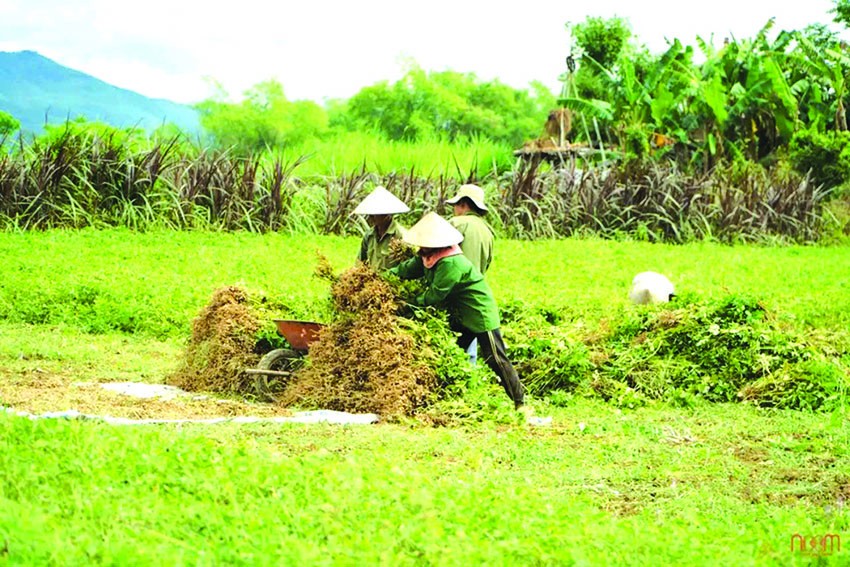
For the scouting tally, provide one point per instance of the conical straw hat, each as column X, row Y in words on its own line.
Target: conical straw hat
column 381, row 202
column 432, row 231
column 474, row 192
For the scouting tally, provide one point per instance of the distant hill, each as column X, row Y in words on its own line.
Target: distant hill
column 33, row 87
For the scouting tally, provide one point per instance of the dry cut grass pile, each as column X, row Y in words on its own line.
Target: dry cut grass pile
column 367, row 360
column 221, row 346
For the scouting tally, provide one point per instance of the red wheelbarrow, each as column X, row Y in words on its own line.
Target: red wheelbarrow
column 275, row 368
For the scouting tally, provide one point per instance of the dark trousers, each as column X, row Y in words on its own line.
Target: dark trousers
column 493, row 351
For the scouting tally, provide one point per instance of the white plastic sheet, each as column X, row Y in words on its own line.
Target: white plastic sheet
column 317, row 416
column 143, row 390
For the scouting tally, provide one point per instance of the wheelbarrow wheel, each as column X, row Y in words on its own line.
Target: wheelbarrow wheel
column 269, row 386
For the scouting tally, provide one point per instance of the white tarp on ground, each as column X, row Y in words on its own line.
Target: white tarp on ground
column 143, row 390
column 317, row 416
column 165, row 392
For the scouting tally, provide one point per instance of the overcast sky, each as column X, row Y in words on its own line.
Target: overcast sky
column 322, row 49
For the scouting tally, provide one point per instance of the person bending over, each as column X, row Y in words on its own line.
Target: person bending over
column 454, row 284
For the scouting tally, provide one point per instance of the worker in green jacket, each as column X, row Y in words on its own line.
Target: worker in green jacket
column 477, row 244
column 454, row 284
column 468, row 219
column 379, row 207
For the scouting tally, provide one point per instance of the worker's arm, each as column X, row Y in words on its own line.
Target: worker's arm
column 410, row 269
column 364, row 249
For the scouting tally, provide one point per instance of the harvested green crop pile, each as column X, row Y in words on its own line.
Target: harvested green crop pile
column 372, row 359
column 726, row 350
column 379, row 355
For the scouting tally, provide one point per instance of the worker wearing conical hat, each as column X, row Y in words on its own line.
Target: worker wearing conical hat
column 379, row 207
column 454, row 284
column 469, row 211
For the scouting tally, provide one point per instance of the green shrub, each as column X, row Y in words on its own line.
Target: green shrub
column 825, row 156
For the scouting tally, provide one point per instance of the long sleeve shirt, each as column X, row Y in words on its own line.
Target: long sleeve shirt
column 477, row 242
column 456, row 285
column 375, row 251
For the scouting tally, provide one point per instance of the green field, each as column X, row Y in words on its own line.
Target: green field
column 709, row 484
column 154, row 283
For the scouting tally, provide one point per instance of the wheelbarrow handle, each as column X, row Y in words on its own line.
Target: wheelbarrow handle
column 267, row 372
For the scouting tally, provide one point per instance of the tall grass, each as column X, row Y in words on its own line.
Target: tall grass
column 81, row 179
column 656, row 202
column 84, row 178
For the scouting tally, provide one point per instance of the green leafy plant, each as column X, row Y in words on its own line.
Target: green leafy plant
column 825, row 157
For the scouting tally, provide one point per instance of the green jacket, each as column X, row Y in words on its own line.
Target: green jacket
column 477, row 242
column 456, row 285
column 375, row 252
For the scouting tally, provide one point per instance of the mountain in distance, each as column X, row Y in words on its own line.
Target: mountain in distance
column 33, row 87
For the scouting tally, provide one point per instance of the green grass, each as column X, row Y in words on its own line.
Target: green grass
column 64, row 351
column 348, row 152
column 657, row 486
column 713, row 484
column 154, row 283
column 803, row 283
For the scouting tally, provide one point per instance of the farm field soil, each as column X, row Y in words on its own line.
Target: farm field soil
column 47, row 369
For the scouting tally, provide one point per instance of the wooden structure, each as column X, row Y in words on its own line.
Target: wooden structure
column 547, row 150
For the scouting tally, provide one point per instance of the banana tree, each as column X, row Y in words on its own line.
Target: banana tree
column 741, row 99
column 824, row 85
column 738, row 103
column 644, row 98
column 762, row 106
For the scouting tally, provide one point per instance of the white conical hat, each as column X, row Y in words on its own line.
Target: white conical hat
column 381, row 202
column 473, row 192
column 432, row 231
